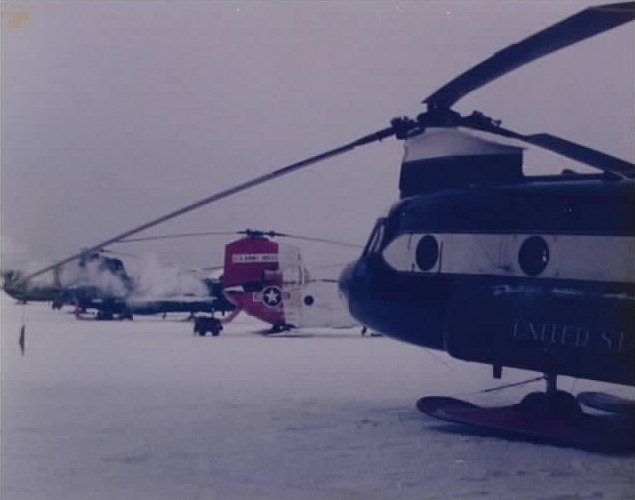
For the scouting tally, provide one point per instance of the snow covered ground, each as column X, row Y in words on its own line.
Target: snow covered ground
column 145, row 410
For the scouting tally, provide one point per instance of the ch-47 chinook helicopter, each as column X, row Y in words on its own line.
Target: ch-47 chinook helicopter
column 496, row 267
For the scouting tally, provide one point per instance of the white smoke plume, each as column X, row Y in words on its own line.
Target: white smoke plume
column 91, row 274
column 155, row 279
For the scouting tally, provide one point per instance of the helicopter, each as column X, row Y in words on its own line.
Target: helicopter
column 213, row 301
column 94, row 279
column 162, row 288
column 494, row 266
column 102, row 284
column 24, row 291
column 269, row 281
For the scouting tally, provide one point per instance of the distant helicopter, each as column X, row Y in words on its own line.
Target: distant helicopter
column 162, row 288
column 102, row 284
column 93, row 278
column 214, row 301
column 23, row 291
column 269, row 281
column 496, row 267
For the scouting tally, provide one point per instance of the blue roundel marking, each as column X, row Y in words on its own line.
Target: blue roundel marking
column 271, row 296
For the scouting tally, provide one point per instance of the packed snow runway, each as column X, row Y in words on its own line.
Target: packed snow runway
column 145, row 410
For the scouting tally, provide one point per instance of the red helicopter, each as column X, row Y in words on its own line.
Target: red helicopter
column 494, row 266
column 269, row 281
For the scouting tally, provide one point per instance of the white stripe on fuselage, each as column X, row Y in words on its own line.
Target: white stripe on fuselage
column 574, row 257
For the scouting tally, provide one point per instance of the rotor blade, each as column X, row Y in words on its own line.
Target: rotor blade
column 576, row 28
column 583, row 154
column 320, row 240
column 212, row 268
column 332, row 266
column 571, row 150
column 367, row 139
column 116, row 252
column 274, row 234
column 226, row 233
column 177, row 235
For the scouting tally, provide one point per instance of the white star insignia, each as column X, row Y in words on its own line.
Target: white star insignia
column 272, row 296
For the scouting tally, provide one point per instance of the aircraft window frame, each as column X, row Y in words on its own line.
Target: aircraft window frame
column 376, row 237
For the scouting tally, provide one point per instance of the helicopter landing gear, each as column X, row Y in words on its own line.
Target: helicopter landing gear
column 553, row 402
column 279, row 328
column 104, row 315
column 552, row 416
column 204, row 324
column 608, row 403
column 126, row 314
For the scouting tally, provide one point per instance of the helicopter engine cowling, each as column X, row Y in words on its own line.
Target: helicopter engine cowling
column 442, row 158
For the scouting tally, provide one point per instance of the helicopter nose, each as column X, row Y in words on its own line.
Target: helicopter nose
column 346, row 279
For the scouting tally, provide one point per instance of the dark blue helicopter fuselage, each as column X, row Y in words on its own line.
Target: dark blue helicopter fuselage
column 535, row 275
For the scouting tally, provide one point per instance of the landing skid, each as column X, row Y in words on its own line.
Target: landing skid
column 608, row 403
column 551, row 417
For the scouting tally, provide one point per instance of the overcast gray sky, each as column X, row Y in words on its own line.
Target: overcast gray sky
column 114, row 113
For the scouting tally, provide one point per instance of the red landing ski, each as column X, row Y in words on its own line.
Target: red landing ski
column 562, row 423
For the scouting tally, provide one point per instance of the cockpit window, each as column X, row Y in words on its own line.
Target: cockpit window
column 376, row 238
